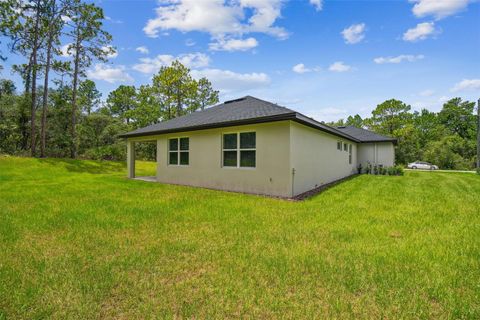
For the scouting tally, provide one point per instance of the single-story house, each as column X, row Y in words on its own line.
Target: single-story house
column 255, row 146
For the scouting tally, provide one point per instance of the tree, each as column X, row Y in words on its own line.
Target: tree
column 89, row 41
column 389, row 116
column 409, row 147
column 478, row 136
column 355, row 121
column 175, row 89
column 338, row 123
column 205, row 95
column 7, row 88
column 52, row 24
column 458, row 117
column 8, row 20
column 27, row 40
column 10, row 138
column 122, row 101
column 88, row 96
column 147, row 110
column 447, row 153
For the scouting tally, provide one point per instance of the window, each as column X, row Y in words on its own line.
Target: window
column 350, row 154
column 345, row 147
column 239, row 150
column 178, row 151
column 339, row 145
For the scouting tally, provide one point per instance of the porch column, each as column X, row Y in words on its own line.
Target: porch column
column 130, row 159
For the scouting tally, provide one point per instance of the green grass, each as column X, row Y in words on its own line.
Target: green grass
column 78, row 240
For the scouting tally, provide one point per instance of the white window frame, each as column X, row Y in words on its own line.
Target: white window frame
column 178, row 151
column 341, row 145
column 238, row 150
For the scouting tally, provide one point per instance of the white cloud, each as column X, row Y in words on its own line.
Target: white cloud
column 142, row 49
column 327, row 114
column 421, row 32
column 113, row 53
column 354, row 34
column 113, row 20
column 65, row 52
column 427, row 93
column 339, row 66
column 318, row 4
column 217, row 17
column 467, row 85
column 66, row 19
column 233, row 44
column 109, row 74
column 438, row 8
column 152, row 65
column 301, row 68
column 398, row 59
column 443, row 99
column 228, row 81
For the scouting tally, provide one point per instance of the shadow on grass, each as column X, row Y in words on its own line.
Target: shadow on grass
column 87, row 166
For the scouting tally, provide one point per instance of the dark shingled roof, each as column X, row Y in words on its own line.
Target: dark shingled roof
column 365, row 135
column 246, row 110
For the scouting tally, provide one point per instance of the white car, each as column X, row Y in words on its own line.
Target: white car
column 422, row 165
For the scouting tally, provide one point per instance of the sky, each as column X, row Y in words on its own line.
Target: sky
column 326, row 59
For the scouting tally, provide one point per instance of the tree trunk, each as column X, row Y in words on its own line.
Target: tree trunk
column 45, row 96
column 179, row 105
column 34, row 81
column 23, row 120
column 478, row 134
column 73, row 150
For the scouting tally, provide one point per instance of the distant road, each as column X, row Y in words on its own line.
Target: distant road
column 462, row 171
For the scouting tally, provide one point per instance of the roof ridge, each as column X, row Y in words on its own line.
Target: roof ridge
column 270, row 103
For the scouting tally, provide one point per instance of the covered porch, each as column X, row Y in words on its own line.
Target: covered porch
column 144, row 149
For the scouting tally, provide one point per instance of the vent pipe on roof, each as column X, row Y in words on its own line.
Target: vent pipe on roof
column 234, row 100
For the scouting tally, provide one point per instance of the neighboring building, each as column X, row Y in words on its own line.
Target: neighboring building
column 254, row 146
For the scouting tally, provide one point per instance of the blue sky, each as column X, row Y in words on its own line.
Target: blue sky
column 327, row 59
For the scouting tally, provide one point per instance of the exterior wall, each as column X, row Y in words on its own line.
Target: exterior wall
column 271, row 175
column 282, row 148
column 315, row 158
column 380, row 153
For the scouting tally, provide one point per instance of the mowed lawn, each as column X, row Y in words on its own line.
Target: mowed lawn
column 78, row 240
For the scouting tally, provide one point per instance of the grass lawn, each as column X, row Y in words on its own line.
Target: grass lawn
column 78, row 240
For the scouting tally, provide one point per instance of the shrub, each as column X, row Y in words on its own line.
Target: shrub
column 368, row 169
column 110, row 152
column 395, row 171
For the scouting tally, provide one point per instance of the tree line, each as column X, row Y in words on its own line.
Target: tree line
column 447, row 138
column 61, row 112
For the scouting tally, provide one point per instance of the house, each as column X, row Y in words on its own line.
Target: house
column 254, row 146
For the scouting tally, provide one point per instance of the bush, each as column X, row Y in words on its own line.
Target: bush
column 380, row 170
column 478, row 170
column 115, row 152
column 395, row 171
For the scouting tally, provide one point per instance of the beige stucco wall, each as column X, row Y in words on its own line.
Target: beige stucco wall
column 380, row 153
column 271, row 175
column 280, row 147
column 315, row 158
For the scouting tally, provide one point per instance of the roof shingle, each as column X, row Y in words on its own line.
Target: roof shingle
column 365, row 135
column 246, row 110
